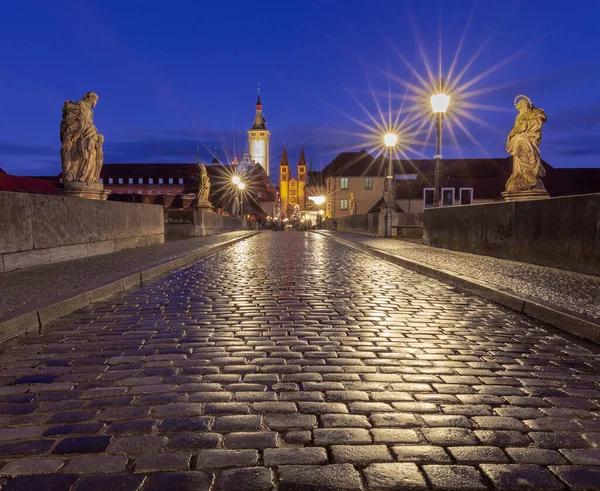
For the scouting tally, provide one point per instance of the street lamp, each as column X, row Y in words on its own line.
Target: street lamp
column 235, row 180
column 439, row 105
column 390, row 139
column 241, row 187
column 318, row 200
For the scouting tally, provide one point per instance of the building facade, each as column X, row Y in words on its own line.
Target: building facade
column 463, row 182
column 258, row 139
column 292, row 190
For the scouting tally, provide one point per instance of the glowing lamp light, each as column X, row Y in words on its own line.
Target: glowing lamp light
column 440, row 102
column 318, row 200
column 390, row 139
column 241, row 186
column 235, row 180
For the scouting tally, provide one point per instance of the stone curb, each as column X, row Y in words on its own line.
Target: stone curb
column 35, row 322
column 579, row 325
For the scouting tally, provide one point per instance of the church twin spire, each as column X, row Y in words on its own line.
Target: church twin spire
column 286, row 165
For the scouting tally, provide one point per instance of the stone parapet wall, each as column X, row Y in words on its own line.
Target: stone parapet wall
column 403, row 224
column 360, row 224
column 40, row 229
column 557, row 232
column 194, row 222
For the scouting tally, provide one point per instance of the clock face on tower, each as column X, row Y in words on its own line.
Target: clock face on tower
column 257, row 149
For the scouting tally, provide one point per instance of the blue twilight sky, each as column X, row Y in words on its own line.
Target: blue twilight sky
column 174, row 75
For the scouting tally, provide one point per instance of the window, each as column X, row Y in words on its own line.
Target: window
column 466, row 196
column 343, row 204
column 120, row 180
column 368, row 183
column 344, row 183
column 130, row 180
column 102, row 179
column 150, row 180
column 129, row 192
column 447, row 196
column 181, row 180
column 170, row 181
column 169, row 192
column 160, row 180
column 140, row 180
column 159, row 192
column 140, row 191
column 428, row 195
column 111, row 180
column 150, row 192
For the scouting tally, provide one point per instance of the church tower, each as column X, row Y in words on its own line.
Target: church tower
column 301, row 180
column 284, row 181
column 258, row 139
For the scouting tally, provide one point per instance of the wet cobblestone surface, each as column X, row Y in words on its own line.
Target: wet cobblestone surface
column 23, row 289
column 566, row 289
column 290, row 362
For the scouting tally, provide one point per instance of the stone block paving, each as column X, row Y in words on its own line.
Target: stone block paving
column 26, row 289
column 568, row 290
column 290, row 362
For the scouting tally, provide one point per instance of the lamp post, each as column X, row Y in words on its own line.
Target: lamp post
column 319, row 200
column 236, row 180
column 241, row 187
column 390, row 142
column 439, row 105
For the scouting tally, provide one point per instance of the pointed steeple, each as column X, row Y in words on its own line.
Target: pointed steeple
column 259, row 120
column 284, row 158
column 302, row 160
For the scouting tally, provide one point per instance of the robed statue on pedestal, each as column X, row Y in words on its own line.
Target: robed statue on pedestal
column 523, row 144
column 81, row 151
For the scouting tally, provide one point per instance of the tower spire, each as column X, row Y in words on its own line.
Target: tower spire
column 259, row 121
column 302, row 160
column 284, row 157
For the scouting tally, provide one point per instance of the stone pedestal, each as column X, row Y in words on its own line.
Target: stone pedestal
column 186, row 201
column 525, row 195
column 204, row 205
column 83, row 190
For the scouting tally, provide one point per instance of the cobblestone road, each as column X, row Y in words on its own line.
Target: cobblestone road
column 576, row 292
column 290, row 362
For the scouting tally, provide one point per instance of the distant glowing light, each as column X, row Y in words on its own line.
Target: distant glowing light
column 390, row 139
column 236, row 180
column 318, row 200
column 241, row 185
column 440, row 102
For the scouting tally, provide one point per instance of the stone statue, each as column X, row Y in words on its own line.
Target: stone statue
column 81, row 151
column 204, row 188
column 523, row 144
column 352, row 205
column 386, row 191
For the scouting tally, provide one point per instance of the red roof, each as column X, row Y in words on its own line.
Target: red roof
column 21, row 184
